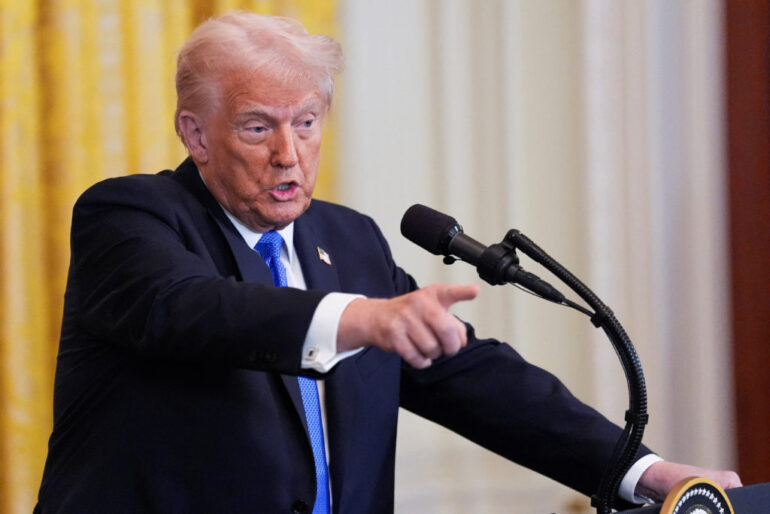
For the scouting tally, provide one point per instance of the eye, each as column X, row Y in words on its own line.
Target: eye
column 308, row 123
column 256, row 129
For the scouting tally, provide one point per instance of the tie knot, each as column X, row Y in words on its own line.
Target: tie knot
column 269, row 245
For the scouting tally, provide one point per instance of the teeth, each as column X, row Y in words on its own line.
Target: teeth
column 283, row 187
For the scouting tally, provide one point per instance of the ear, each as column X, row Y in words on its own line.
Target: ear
column 191, row 127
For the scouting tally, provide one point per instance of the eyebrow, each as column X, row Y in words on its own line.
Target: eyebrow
column 254, row 113
column 311, row 105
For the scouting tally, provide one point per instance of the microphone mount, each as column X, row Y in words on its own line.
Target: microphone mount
column 624, row 453
column 494, row 263
column 498, row 264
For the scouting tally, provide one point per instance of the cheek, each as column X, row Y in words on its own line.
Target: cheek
column 249, row 168
column 310, row 160
column 309, row 185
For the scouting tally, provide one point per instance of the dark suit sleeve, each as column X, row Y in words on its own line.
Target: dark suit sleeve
column 489, row 394
column 144, row 278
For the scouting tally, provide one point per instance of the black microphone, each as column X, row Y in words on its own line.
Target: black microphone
column 442, row 235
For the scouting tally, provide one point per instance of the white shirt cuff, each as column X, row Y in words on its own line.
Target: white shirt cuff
column 627, row 487
column 319, row 351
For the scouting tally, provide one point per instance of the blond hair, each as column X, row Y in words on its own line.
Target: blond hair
column 277, row 46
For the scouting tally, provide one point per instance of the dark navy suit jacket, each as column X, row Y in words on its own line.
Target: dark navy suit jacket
column 173, row 389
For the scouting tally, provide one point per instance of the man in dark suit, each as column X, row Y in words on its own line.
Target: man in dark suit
column 177, row 384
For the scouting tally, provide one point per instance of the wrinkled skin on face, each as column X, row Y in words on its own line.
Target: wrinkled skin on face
column 258, row 151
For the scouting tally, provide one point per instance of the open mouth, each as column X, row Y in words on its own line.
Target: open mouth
column 285, row 191
column 285, row 186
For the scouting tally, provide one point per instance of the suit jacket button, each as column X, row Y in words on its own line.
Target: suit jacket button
column 300, row 507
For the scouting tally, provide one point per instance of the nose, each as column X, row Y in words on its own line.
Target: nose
column 284, row 151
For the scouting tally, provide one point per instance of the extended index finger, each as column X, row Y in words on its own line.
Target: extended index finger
column 449, row 294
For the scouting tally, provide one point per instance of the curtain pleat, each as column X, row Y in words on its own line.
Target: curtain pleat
column 86, row 93
column 25, row 355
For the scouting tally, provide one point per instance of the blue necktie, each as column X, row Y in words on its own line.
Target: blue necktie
column 269, row 247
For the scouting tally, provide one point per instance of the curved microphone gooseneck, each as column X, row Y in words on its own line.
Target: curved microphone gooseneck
column 498, row 264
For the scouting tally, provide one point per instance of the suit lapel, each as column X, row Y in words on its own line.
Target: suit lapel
column 251, row 267
column 313, row 251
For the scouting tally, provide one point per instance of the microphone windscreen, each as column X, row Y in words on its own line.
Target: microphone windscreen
column 428, row 228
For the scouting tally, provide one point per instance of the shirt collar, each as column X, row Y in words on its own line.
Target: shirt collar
column 252, row 238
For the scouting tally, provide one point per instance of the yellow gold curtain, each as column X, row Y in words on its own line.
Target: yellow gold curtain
column 86, row 92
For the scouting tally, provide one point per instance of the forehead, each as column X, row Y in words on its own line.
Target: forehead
column 246, row 91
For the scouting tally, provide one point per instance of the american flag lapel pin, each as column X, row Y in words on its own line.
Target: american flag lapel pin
column 323, row 255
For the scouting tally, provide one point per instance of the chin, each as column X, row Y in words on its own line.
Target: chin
column 286, row 216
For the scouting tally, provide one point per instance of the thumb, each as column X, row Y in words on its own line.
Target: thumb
column 449, row 294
